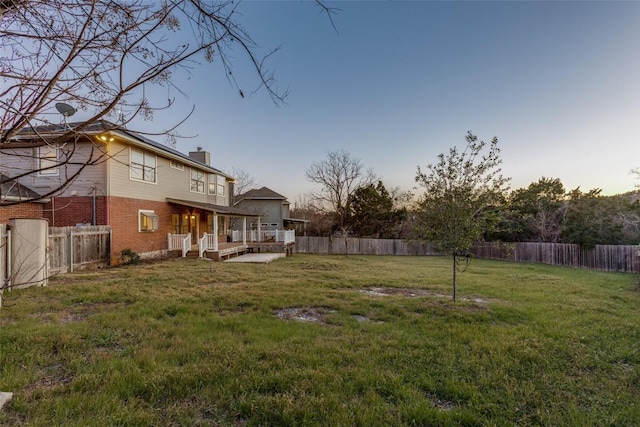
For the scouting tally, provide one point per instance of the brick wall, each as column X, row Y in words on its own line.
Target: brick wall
column 123, row 218
column 69, row 211
column 23, row 210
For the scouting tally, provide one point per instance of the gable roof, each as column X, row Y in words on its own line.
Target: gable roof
column 263, row 193
column 103, row 126
column 11, row 189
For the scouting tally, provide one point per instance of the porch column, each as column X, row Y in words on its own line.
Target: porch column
column 244, row 231
column 215, row 232
column 259, row 232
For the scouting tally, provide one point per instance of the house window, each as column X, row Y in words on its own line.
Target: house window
column 221, row 185
column 47, row 161
column 197, row 181
column 143, row 166
column 222, row 225
column 180, row 223
column 148, row 221
column 176, row 165
column 212, row 184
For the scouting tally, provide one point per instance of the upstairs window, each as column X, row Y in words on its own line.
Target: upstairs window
column 221, row 185
column 212, row 184
column 176, row 165
column 47, row 161
column 197, row 181
column 143, row 166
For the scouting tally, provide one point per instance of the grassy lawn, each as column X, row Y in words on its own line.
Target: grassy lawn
column 321, row 340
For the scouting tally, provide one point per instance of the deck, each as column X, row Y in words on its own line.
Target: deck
column 234, row 249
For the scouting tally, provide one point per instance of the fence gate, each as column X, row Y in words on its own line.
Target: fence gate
column 29, row 238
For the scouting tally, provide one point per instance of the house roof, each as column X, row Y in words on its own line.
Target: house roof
column 263, row 193
column 224, row 210
column 103, row 126
column 11, row 189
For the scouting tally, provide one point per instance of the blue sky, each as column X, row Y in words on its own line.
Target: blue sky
column 557, row 82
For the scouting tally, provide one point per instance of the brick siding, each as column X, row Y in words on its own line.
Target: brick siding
column 123, row 218
column 69, row 211
column 23, row 210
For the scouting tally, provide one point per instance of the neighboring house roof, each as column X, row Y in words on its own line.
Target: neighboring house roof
column 103, row 126
column 263, row 193
column 10, row 189
column 224, row 210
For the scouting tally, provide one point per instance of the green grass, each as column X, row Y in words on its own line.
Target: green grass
column 200, row 343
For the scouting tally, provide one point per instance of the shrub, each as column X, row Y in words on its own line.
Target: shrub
column 128, row 257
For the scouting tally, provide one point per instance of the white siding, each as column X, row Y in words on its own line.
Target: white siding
column 170, row 182
column 16, row 161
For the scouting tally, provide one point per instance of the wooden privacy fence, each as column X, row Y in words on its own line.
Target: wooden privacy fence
column 355, row 246
column 624, row 258
column 70, row 247
column 601, row 257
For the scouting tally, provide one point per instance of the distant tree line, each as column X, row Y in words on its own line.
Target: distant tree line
column 544, row 211
column 464, row 199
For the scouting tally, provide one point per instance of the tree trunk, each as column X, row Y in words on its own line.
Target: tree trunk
column 454, row 277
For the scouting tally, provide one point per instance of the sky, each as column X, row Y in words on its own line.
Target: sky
column 558, row 83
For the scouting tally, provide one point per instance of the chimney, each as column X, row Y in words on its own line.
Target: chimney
column 201, row 156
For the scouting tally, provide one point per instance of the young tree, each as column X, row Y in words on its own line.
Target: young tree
column 463, row 194
column 103, row 57
column 338, row 176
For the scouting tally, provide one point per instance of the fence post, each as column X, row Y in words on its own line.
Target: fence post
column 71, row 251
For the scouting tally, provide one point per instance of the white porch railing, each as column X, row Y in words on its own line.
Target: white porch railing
column 180, row 241
column 186, row 245
column 286, row 236
column 207, row 242
column 289, row 236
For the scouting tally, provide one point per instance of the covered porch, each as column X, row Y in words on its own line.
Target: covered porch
column 203, row 230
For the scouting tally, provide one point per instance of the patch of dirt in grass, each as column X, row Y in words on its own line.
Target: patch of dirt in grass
column 412, row 293
column 56, row 376
column 82, row 311
column 405, row 292
column 304, row 314
column 323, row 266
column 441, row 404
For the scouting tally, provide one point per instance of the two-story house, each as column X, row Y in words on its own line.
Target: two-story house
column 107, row 175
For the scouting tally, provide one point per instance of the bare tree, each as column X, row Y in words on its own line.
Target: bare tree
column 338, row 176
column 103, row 57
column 244, row 181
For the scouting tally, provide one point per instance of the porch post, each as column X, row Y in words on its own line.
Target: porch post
column 244, row 231
column 259, row 232
column 215, row 231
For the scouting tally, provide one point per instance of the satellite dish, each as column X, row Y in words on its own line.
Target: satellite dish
column 65, row 109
